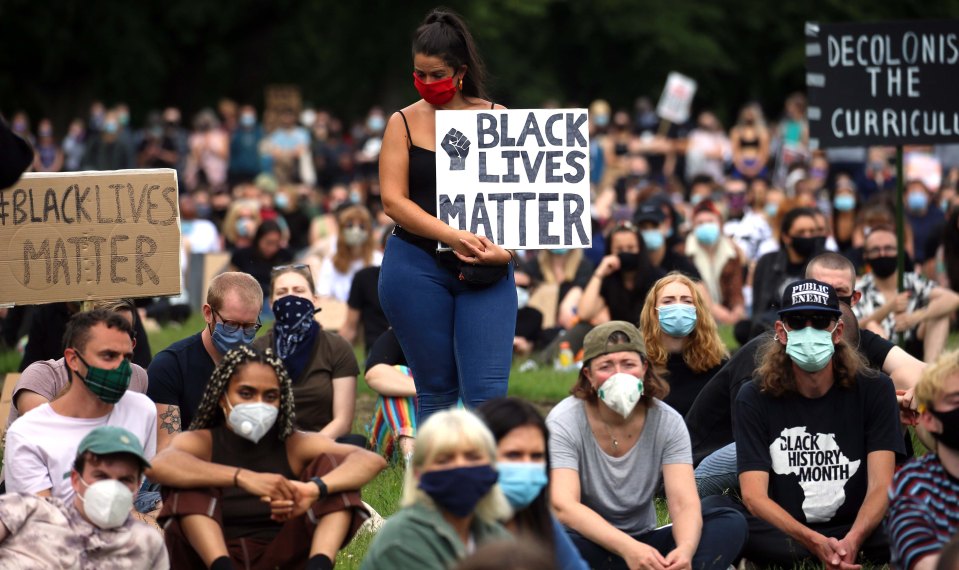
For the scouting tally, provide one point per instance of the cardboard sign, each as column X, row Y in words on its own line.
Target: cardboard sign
column 519, row 177
column 78, row 236
column 677, row 98
column 883, row 83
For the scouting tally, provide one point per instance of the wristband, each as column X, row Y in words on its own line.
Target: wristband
column 324, row 491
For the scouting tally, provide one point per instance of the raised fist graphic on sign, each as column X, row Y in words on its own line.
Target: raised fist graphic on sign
column 457, row 146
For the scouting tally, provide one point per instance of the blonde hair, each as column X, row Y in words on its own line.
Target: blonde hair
column 344, row 253
column 933, row 380
column 229, row 221
column 571, row 263
column 703, row 349
column 244, row 284
column 447, row 431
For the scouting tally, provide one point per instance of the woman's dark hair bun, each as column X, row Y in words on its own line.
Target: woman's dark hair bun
column 451, row 40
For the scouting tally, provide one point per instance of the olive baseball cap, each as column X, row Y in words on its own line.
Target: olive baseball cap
column 105, row 440
column 597, row 342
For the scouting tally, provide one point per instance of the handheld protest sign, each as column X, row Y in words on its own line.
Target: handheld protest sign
column 882, row 83
column 519, row 177
column 677, row 98
column 80, row 236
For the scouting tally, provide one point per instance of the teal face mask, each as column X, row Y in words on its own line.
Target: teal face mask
column 653, row 238
column 811, row 349
column 677, row 319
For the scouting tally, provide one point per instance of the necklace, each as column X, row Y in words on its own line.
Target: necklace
column 609, row 432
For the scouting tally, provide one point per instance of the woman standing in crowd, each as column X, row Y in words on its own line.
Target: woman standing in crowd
column 610, row 444
column 457, row 335
column 321, row 364
column 355, row 249
column 450, row 498
column 682, row 342
column 750, row 143
column 522, row 460
column 238, row 485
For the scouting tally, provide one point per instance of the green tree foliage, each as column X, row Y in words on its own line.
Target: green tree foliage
column 59, row 56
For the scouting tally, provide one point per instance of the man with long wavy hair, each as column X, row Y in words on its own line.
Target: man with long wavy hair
column 816, row 437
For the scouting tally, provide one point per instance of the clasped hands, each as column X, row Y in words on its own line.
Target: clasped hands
column 478, row 250
column 288, row 499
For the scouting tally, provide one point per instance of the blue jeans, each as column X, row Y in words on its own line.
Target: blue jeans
column 458, row 340
column 717, row 472
column 723, row 536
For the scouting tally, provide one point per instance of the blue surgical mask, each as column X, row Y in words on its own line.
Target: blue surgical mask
column 772, row 210
column 281, row 201
column 521, row 482
column 677, row 319
column 247, row 120
column 844, row 203
column 811, row 349
column 376, row 123
column 695, row 199
column 653, row 238
column 561, row 251
column 917, row 201
column 707, row 234
column 225, row 341
column 601, row 120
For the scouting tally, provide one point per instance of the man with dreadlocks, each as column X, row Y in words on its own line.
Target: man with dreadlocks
column 816, row 436
column 233, row 496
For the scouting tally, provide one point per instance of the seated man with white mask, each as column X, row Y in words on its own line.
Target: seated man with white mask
column 95, row 528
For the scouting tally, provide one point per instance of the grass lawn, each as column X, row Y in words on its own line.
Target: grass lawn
column 544, row 387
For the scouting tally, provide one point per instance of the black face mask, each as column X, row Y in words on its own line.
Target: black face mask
column 950, row 428
column 805, row 246
column 883, row 267
column 628, row 261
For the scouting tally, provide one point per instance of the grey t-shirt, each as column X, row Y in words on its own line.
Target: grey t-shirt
column 619, row 489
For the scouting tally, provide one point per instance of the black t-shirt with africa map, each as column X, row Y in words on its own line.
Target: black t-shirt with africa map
column 815, row 449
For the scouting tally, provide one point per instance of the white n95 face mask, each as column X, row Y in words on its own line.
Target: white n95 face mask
column 621, row 392
column 107, row 503
column 253, row 420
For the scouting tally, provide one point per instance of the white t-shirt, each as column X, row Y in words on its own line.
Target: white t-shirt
column 332, row 283
column 42, row 444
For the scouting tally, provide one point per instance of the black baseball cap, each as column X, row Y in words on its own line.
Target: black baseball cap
column 809, row 295
column 650, row 211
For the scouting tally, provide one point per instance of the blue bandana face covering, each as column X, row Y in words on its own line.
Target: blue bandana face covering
column 678, row 319
column 294, row 321
column 458, row 490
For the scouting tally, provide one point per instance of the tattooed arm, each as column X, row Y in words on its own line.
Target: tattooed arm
column 168, row 424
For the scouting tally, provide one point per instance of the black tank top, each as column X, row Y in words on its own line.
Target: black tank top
column 422, row 186
column 245, row 516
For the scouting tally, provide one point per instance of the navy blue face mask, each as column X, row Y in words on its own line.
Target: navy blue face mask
column 459, row 489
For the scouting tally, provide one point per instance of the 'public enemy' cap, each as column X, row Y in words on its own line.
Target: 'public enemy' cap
column 105, row 440
column 597, row 342
column 809, row 295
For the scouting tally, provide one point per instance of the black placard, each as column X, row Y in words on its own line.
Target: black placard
column 887, row 83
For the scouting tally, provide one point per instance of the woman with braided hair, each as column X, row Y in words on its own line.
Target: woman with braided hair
column 243, row 487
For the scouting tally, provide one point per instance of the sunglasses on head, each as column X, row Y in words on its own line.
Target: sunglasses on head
column 818, row 321
column 293, row 267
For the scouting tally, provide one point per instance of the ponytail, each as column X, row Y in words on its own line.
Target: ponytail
column 444, row 34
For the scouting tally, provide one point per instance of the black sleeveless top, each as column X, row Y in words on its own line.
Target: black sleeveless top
column 245, row 516
column 422, row 189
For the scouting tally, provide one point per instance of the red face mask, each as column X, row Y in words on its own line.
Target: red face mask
column 436, row 93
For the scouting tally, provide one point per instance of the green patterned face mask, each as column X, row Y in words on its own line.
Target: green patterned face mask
column 108, row 385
